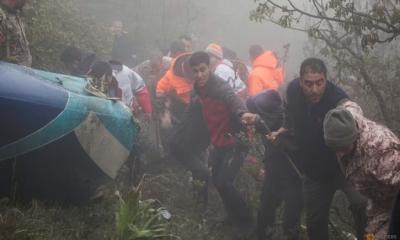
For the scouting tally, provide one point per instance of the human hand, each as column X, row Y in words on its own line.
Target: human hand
column 249, row 118
column 273, row 137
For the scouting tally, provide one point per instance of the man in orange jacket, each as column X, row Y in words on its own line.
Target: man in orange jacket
column 266, row 73
column 175, row 83
column 173, row 93
column 181, row 123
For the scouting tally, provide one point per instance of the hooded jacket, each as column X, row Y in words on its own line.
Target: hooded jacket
column 174, row 82
column 266, row 74
column 269, row 106
column 374, row 168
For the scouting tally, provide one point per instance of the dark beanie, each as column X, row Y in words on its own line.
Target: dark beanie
column 268, row 104
column 340, row 128
column 100, row 68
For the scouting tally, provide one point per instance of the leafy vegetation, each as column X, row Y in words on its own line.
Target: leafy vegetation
column 50, row 33
column 109, row 217
column 374, row 21
column 359, row 41
column 141, row 220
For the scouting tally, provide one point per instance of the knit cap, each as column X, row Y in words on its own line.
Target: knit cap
column 215, row 50
column 340, row 128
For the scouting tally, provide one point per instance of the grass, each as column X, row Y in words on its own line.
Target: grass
column 168, row 186
column 39, row 221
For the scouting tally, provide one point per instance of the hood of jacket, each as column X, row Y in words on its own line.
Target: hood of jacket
column 268, row 59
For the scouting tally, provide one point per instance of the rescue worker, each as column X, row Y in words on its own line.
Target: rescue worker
column 282, row 182
column 369, row 156
column 181, row 124
column 266, row 71
column 308, row 100
column 122, row 49
column 14, row 45
column 223, row 68
column 173, row 92
column 175, row 87
column 176, row 49
column 101, row 82
column 134, row 90
column 224, row 112
column 240, row 68
column 153, row 70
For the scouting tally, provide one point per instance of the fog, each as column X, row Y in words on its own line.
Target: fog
column 156, row 23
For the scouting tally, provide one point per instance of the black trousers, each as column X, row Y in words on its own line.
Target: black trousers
column 318, row 197
column 281, row 185
column 196, row 163
column 226, row 163
column 274, row 193
column 394, row 228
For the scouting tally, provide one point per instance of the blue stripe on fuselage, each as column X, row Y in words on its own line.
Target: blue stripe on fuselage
column 36, row 113
column 26, row 103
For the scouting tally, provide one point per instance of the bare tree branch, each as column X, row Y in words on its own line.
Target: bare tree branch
column 365, row 18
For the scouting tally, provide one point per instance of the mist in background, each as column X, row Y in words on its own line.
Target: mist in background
column 156, row 23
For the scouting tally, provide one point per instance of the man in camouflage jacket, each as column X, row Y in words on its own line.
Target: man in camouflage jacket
column 14, row 46
column 153, row 70
column 369, row 155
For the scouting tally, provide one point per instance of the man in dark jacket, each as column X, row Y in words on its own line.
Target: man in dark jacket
column 282, row 182
column 222, row 109
column 308, row 100
column 122, row 50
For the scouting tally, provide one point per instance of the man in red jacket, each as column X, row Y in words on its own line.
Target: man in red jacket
column 224, row 113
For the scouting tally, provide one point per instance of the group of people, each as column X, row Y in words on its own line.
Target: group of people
column 316, row 142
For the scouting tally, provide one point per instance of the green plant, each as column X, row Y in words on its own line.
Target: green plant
column 141, row 220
